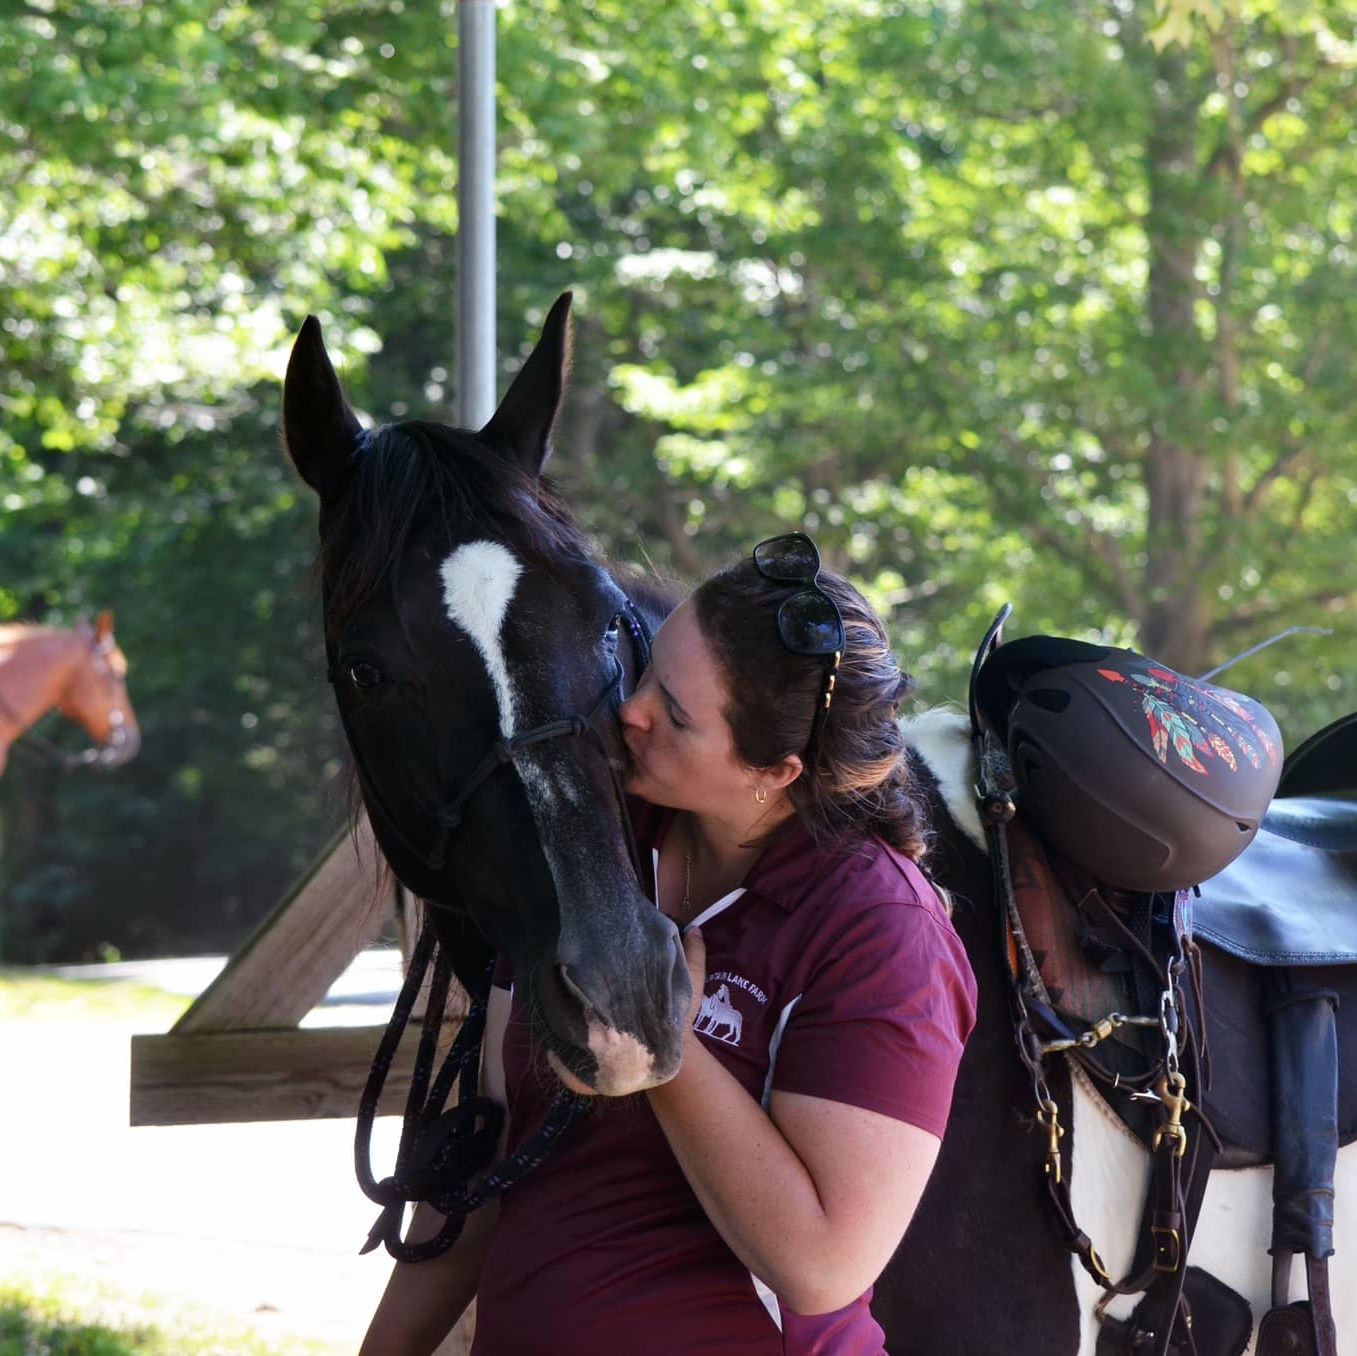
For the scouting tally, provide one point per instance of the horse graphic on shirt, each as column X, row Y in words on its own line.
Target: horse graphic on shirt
column 719, row 1017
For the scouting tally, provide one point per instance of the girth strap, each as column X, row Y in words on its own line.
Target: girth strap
column 1303, row 1049
column 1161, row 1322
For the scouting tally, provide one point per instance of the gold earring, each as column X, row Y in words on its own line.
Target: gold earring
column 761, row 795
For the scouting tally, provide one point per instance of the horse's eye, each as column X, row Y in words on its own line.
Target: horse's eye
column 365, row 675
column 611, row 634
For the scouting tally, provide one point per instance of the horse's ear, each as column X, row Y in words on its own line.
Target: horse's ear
column 103, row 626
column 521, row 427
column 319, row 428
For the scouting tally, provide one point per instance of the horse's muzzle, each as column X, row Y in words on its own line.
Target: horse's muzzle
column 123, row 745
column 632, row 1011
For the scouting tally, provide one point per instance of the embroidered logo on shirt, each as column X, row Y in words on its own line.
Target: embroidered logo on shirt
column 719, row 1017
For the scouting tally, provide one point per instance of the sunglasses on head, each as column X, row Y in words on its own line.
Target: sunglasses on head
column 809, row 622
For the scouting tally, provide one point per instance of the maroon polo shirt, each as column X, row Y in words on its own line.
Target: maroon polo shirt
column 836, row 975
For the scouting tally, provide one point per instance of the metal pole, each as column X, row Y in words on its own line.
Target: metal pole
column 475, row 339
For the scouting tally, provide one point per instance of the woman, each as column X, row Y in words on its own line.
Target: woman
column 749, row 1204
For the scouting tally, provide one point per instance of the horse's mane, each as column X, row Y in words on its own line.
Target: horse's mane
column 407, row 471
column 654, row 597
column 11, row 631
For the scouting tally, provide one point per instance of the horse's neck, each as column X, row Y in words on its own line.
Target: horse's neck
column 942, row 738
column 36, row 669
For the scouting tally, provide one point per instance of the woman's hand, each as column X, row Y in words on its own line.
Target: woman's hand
column 695, row 953
column 811, row 1195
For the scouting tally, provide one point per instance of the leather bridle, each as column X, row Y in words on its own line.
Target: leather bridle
column 448, row 815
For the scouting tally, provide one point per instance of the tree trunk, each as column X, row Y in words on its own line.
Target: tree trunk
column 1176, row 614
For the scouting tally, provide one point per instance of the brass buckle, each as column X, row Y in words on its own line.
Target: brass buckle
column 1167, row 1241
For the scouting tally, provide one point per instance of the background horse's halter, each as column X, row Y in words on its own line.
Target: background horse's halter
column 440, row 1151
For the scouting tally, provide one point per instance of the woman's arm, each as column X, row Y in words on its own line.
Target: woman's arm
column 423, row 1300
column 812, row 1196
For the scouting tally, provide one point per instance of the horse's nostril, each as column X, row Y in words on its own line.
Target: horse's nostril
column 574, row 990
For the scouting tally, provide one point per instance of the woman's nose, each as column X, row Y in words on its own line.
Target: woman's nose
column 632, row 711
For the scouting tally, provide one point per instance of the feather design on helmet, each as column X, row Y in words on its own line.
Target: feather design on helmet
column 1223, row 751
column 1149, row 779
column 1178, row 716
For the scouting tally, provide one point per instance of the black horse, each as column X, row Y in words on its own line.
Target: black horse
column 477, row 647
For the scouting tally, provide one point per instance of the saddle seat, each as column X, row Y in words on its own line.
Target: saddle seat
column 1290, row 898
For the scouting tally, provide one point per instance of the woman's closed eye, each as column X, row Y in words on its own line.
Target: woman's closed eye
column 678, row 717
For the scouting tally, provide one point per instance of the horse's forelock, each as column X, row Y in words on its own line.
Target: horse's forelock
column 413, row 468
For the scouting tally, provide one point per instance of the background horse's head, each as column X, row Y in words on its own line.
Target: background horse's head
column 79, row 672
column 97, row 697
column 478, row 651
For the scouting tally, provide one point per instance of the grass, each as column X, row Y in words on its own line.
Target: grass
column 71, row 1317
column 26, row 996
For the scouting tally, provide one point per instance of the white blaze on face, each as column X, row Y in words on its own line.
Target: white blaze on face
column 478, row 585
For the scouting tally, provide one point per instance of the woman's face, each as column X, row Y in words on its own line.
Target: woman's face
column 682, row 751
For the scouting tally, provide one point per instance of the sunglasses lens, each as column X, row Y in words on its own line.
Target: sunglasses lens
column 793, row 559
column 809, row 624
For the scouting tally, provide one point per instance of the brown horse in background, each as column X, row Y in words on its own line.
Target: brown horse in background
column 79, row 671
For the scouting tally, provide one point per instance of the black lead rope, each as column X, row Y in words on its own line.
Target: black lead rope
column 441, row 1151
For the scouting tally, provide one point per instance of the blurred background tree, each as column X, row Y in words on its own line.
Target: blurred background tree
column 1049, row 303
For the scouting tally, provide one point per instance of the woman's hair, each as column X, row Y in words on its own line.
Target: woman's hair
column 857, row 779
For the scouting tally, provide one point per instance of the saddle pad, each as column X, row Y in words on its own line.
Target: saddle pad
column 1290, row 898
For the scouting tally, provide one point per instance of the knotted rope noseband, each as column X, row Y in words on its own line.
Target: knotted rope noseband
column 440, row 1152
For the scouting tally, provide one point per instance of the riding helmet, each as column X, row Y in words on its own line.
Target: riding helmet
column 1147, row 778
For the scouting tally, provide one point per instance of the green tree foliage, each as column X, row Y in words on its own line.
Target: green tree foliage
column 1049, row 303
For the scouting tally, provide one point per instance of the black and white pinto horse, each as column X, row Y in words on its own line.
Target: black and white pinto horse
column 985, row 1227
column 478, row 648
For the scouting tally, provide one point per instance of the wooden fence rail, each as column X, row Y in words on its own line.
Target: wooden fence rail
column 238, row 1054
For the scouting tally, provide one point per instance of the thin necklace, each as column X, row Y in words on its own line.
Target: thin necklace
column 687, row 906
column 687, row 875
